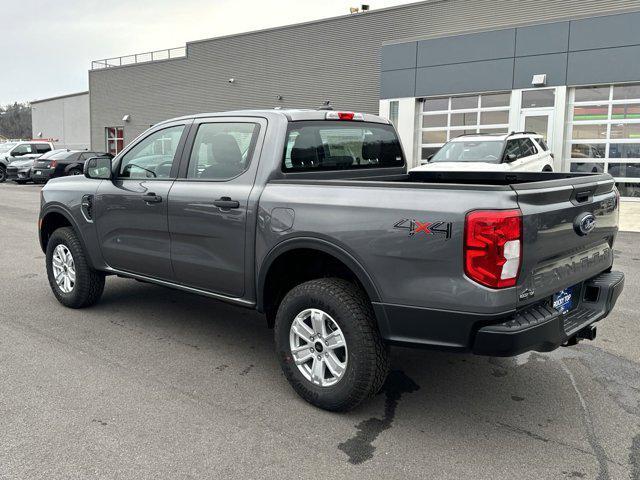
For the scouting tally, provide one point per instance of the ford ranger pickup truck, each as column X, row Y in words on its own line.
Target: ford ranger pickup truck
column 310, row 217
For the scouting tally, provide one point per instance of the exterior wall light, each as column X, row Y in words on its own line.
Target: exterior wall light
column 126, row 118
column 539, row 80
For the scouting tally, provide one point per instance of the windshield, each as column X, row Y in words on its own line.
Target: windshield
column 339, row 145
column 5, row 147
column 470, row 151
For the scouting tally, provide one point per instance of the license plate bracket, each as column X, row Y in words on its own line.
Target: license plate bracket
column 565, row 300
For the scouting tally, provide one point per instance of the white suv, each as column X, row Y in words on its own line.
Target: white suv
column 514, row 152
column 20, row 150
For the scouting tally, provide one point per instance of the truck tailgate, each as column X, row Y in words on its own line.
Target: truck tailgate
column 562, row 245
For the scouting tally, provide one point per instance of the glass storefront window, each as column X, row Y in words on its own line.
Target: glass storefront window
column 629, row 189
column 495, row 117
column 464, row 119
column 447, row 118
column 436, row 104
column 488, row 100
column 464, row 103
column 591, row 94
column 626, row 92
column 588, row 150
column 439, row 120
column 591, row 131
column 624, row 150
column 434, row 136
column 587, row 167
column 626, row 111
column 591, row 112
column 625, row 130
column 605, row 125
column 631, row 170
column 538, row 98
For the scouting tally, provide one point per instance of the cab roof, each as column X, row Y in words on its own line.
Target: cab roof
column 291, row 115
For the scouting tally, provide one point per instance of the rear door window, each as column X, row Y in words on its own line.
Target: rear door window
column 42, row 147
column 512, row 148
column 339, row 145
column 527, row 148
column 221, row 150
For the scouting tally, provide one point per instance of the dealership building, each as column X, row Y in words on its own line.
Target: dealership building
column 567, row 69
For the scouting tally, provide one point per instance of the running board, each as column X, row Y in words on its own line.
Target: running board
column 234, row 300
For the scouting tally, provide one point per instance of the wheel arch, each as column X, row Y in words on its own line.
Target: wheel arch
column 293, row 249
column 53, row 218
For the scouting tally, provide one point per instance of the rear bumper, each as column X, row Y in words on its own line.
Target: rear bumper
column 20, row 175
column 41, row 175
column 538, row 328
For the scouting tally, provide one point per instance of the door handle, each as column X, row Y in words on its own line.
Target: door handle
column 152, row 198
column 226, row 203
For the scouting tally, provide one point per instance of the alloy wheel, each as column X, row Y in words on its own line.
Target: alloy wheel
column 64, row 269
column 318, row 347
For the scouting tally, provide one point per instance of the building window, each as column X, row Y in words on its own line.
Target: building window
column 114, row 139
column 604, row 133
column 444, row 118
column 393, row 112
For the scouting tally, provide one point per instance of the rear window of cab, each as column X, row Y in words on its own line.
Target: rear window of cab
column 327, row 145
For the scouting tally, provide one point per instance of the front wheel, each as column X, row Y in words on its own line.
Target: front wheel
column 328, row 345
column 73, row 282
column 3, row 174
column 75, row 171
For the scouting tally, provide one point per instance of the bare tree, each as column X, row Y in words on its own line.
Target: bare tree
column 15, row 121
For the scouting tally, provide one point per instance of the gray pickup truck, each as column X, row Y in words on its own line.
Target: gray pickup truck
column 310, row 217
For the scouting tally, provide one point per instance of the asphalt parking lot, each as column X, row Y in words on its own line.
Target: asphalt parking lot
column 155, row 383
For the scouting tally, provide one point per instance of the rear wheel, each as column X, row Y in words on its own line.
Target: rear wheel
column 3, row 174
column 20, row 182
column 547, row 168
column 328, row 345
column 73, row 282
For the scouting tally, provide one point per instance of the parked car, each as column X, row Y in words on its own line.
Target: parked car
column 22, row 150
column 20, row 170
column 62, row 163
column 515, row 152
column 311, row 218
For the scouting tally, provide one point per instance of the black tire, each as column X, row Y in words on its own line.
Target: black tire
column 368, row 357
column 74, row 171
column 89, row 283
column 20, row 182
column 547, row 168
column 3, row 174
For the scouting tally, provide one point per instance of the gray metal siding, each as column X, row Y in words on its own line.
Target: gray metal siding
column 542, row 39
column 486, row 76
column 466, row 48
column 554, row 65
column 608, row 65
column 576, row 52
column 336, row 59
column 613, row 31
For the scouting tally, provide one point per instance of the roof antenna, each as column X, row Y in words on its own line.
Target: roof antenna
column 326, row 105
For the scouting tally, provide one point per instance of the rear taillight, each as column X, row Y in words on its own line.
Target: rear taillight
column 493, row 247
column 53, row 164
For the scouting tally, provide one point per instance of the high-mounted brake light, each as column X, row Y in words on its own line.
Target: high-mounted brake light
column 493, row 247
column 344, row 116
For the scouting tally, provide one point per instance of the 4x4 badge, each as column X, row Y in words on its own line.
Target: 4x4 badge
column 414, row 227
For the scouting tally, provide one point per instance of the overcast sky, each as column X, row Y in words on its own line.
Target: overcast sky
column 47, row 46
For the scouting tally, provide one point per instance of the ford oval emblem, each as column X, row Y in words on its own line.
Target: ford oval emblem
column 585, row 224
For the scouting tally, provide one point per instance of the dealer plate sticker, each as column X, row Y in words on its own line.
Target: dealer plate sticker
column 563, row 300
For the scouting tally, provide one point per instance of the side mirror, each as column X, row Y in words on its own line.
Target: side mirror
column 510, row 157
column 98, row 168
